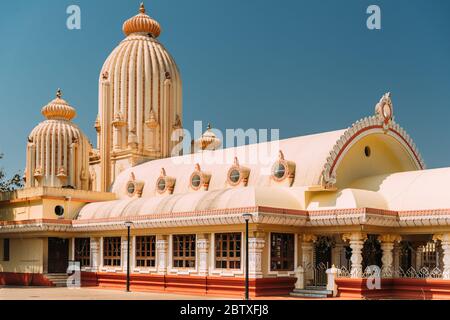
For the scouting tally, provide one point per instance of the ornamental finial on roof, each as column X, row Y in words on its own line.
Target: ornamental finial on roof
column 59, row 93
column 142, row 8
column 385, row 109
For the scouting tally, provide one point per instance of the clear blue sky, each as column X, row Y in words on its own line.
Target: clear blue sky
column 301, row 66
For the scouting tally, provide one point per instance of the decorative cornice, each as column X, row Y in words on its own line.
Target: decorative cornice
column 260, row 215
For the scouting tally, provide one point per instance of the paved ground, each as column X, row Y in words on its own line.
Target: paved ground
column 34, row 293
column 44, row 293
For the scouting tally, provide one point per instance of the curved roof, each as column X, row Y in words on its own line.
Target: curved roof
column 415, row 190
column 192, row 202
column 308, row 152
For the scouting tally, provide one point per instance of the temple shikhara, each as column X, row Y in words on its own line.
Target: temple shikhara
column 327, row 212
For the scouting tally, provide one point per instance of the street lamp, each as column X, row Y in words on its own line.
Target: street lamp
column 128, row 224
column 247, row 217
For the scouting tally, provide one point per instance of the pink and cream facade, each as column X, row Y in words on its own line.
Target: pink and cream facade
column 334, row 203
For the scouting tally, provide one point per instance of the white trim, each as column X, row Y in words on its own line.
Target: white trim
column 183, row 271
column 280, row 274
column 228, row 272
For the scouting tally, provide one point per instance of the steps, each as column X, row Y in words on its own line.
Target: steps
column 312, row 292
column 58, row 279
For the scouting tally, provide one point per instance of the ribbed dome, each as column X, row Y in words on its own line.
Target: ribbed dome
column 142, row 23
column 59, row 109
column 145, row 92
column 58, row 151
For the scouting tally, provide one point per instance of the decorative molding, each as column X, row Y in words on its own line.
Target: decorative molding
column 169, row 183
column 389, row 238
column 289, row 169
column 381, row 122
column 244, row 173
column 204, row 179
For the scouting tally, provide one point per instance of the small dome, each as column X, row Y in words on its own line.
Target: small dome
column 142, row 23
column 59, row 109
column 58, row 151
column 209, row 140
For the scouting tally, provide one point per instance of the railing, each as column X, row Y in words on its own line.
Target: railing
column 412, row 273
column 317, row 274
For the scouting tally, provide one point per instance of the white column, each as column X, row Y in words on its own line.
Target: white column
column 95, row 254
column 203, row 256
column 72, row 249
column 255, row 247
column 387, row 246
column 124, row 251
column 445, row 244
column 162, row 246
column 307, row 260
column 105, row 134
column 356, row 241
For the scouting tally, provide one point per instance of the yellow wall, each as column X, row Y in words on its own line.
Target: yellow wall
column 387, row 156
column 26, row 256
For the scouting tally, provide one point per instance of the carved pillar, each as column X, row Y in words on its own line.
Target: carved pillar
column 307, row 260
column 203, row 256
column 95, row 254
column 387, row 246
column 105, row 134
column 356, row 241
column 124, row 253
column 162, row 246
column 255, row 247
column 445, row 245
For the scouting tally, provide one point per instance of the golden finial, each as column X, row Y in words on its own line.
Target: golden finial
column 142, row 8
column 59, row 93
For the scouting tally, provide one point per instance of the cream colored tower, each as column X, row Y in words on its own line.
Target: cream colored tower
column 57, row 151
column 140, row 102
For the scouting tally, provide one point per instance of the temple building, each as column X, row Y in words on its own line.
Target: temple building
column 326, row 211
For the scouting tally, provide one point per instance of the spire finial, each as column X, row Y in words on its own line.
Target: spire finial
column 59, row 93
column 142, row 8
column 209, row 126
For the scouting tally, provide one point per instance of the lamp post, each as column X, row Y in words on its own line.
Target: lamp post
column 128, row 224
column 247, row 217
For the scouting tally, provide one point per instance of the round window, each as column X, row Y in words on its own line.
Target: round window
column 235, row 175
column 59, row 211
column 162, row 185
column 367, row 151
column 279, row 171
column 131, row 188
column 196, row 181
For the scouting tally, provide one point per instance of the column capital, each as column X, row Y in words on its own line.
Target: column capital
column 389, row 238
column 203, row 244
column 256, row 243
column 443, row 237
column 308, row 237
column 162, row 244
column 354, row 236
